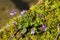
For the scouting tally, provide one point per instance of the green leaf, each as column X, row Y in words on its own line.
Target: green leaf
column 24, row 30
column 19, row 26
column 26, row 24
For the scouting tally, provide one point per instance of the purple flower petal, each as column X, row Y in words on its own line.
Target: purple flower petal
column 32, row 32
column 44, row 27
column 12, row 12
column 23, row 11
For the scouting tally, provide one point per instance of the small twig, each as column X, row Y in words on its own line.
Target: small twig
column 40, row 2
column 57, row 36
column 16, row 32
column 58, row 26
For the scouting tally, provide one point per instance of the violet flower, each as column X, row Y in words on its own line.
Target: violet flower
column 12, row 12
column 32, row 32
column 23, row 11
column 44, row 27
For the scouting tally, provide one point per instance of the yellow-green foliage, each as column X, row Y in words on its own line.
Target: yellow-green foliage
column 47, row 13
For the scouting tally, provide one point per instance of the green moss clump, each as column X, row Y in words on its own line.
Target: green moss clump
column 47, row 13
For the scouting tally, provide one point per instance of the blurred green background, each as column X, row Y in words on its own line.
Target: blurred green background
column 6, row 6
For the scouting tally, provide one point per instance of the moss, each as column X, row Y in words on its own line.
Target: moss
column 46, row 13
